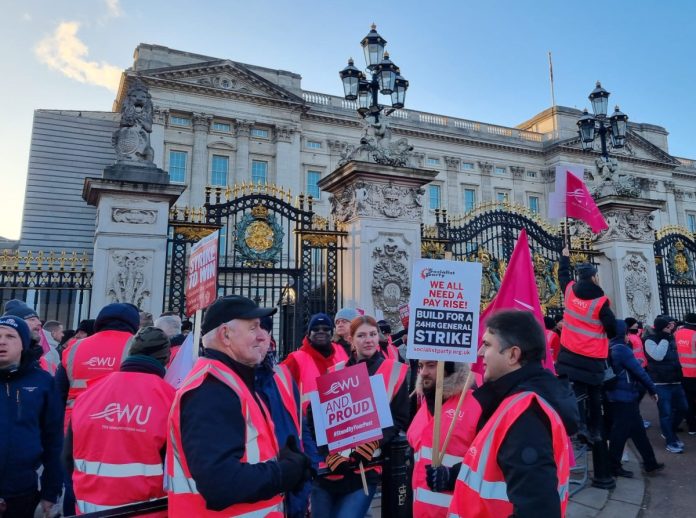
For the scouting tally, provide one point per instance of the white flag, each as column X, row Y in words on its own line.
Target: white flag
column 182, row 364
column 557, row 199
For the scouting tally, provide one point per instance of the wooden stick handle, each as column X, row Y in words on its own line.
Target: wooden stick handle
column 467, row 385
column 438, row 412
column 364, row 479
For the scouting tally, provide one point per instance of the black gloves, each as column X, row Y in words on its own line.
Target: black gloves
column 441, row 478
column 295, row 466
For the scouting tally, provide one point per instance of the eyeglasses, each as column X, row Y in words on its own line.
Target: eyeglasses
column 321, row 329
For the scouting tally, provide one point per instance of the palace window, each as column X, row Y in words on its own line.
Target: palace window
column 502, row 197
column 433, row 161
column 178, row 120
column 533, row 204
column 499, row 170
column 220, row 169
column 469, row 199
column 259, row 133
column 313, row 144
column 531, row 174
column 312, row 188
column 225, row 127
column 467, row 166
column 177, row 166
column 259, row 172
column 434, row 196
column 691, row 222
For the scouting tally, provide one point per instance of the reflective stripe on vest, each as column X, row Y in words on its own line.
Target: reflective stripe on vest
column 393, row 377
column 89, row 507
column 427, row 453
column 432, row 498
column 287, row 394
column 106, row 469
column 475, row 479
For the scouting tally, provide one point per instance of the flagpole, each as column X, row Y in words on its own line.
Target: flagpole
column 553, row 95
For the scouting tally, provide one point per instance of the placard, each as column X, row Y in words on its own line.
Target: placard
column 201, row 279
column 346, row 412
column 444, row 310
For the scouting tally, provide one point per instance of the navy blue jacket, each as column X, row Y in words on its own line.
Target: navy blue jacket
column 31, row 431
column 628, row 374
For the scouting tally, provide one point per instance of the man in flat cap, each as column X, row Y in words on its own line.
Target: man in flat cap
column 222, row 454
column 588, row 325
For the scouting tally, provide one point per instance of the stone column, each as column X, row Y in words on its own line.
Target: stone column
column 288, row 159
column 241, row 164
column 159, row 121
column 518, row 185
column 382, row 208
column 199, row 160
column 453, row 204
column 627, row 272
column 486, row 188
column 672, row 213
column 130, row 240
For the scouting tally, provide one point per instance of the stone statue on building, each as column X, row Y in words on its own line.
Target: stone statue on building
column 377, row 146
column 131, row 140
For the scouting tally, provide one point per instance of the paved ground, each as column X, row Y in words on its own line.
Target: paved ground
column 673, row 492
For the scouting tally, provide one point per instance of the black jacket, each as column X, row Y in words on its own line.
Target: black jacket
column 213, row 439
column 667, row 370
column 575, row 366
column 526, row 454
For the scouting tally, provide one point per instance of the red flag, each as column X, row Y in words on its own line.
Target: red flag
column 517, row 291
column 580, row 205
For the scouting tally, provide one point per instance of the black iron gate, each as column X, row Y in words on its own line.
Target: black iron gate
column 273, row 250
column 675, row 260
column 488, row 235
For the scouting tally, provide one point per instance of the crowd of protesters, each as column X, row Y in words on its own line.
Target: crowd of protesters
column 89, row 423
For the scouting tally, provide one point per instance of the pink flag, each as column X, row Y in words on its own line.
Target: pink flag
column 517, row 291
column 182, row 364
column 580, row 205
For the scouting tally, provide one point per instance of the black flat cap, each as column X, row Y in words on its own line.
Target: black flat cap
column 232, row 307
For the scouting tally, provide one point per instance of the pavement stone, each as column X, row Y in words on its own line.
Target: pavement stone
column 617, row 509
column 592, row 497
column 577, row 510
column 629, row 490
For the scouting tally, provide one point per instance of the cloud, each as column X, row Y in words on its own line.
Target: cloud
column 65, row 52
column 26, row 17
column 114, row 8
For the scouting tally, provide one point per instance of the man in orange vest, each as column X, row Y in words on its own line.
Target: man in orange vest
column 518, row 463
column 588, row 325
column 317, row 356
column 223, row 458
column 118, row 432
column 686, row 348
column 432, row 490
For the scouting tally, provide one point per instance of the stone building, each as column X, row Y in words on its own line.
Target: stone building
column 219, row 122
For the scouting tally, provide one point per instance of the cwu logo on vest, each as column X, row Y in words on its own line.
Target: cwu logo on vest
column 115, row 413
column 97, row 362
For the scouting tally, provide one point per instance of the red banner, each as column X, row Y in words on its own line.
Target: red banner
column 348, row 407
column 201, row 281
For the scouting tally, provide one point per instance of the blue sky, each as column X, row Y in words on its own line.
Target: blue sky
column 480, row 60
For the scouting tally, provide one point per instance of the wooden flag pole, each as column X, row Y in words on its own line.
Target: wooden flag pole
column 197, row 321
column 438, row 413
column 467, row 385
column 364, row 480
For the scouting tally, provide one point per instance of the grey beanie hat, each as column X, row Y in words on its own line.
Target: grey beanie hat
column 346, row 314
column 150, row 341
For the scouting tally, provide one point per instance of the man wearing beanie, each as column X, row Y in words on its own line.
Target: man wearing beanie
column 666, row 371
column 317, row 355
column 97, row 355
column 432, row 487
column 222, row 453
column 30, row 425
column 685, row 337
column 588, row 325
column 342, row 322
column 118, row 433
column 44, row 351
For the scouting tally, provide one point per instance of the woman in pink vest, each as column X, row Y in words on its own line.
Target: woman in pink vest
column 338, row 491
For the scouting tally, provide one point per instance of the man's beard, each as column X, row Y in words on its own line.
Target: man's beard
column 429, row 394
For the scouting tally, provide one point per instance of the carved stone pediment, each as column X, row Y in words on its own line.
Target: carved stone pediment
column 379, row 200
column 223, row 76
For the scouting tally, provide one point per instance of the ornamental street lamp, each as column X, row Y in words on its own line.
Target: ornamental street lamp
column 590, row 126
column 382, row 76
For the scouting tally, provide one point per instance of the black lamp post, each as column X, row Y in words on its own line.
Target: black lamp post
column 590, row 126
column 384, row 77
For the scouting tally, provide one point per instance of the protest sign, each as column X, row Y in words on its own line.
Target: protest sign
column 201, row 280
column 444, row 310
column 350, row 408
column 403, row 315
